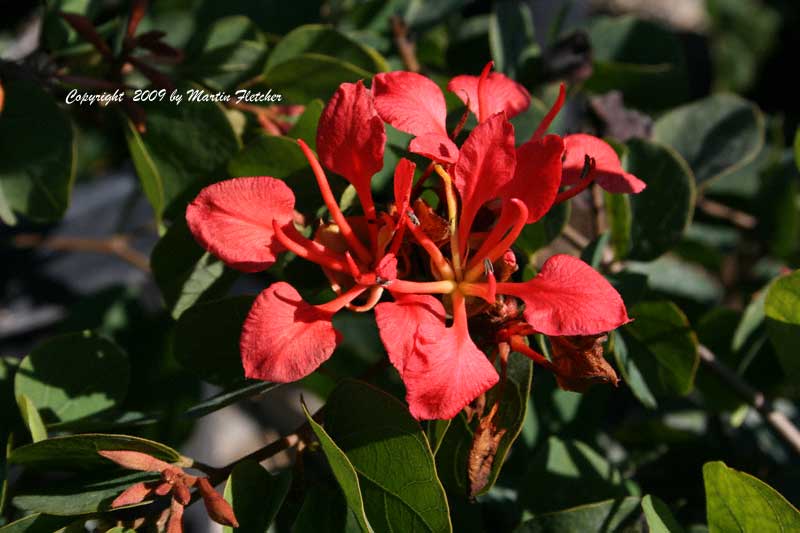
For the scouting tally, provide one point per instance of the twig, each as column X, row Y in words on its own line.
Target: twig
column 575, row 237
column 114, row 245
column 734, row 216
column 777, row 420
column 405, row 47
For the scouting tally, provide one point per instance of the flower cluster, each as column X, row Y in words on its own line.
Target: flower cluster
column 448, row 267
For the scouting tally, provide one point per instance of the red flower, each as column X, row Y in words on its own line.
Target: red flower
column 492, row 189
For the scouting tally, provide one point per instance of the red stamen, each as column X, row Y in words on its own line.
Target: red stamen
column 544, row 125
column 438, row 259
column 305, row 250
column 333, row 206
column 422, row 287
column 587, row 177
column 336, row 304
column 518, row 346
column 483, row 108
column 498, row 249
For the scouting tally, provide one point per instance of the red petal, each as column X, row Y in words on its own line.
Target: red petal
column 175, row 524
column 284, row 338
column 569, row 297
column 443, row 371
column 410, row 102
column 435, row 146
column 502, row 94
column 403, row 180
column 351, row 136
column 232, row 219
column 485, row 165
column 537, row 176
column 135, row 460
column 218, row 509
column 608, row 169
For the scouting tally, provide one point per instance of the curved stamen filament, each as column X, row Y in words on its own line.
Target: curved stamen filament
column 336, row 304
column 437, row 258
column 498, row 249
column 548, row 118
column 309, row 250
column 333, row 207
column 375, row 294
column 452, row 218
column 508, row 215
column 445, row 286
column 587, row 177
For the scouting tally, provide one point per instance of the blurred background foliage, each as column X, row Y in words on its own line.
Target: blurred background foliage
column 127, row 327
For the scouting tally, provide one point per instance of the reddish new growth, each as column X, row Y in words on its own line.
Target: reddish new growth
column 174, row 482
column 447, row 269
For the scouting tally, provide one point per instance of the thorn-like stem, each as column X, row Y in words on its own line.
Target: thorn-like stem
column 333, row 207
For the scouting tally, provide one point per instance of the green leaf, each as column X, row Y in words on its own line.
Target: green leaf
column 325, row 40
column 229, row 52
column 324, row 511
column 663, row 346
column 185, row 273
column 184, row 148
column 797, row 148
column 752, row 318
column 662, row 212
column 36, row 523
column 306, row 126
column 256, row 496
column 659, row 517
column 30, row 415
column 568, row 473
column 539, row 234
column 37, row 154
column 643, row 60
column 619, row 216
column 510, row 32
column 79, row 452
column 374, row 429
column 78, row 496
column 630, row 372
column 600, row 517
column 54, row 376
column 235, row 393
column 206, row 339
column 343, row 471
column 736, row 501
column 782, row 308
column 716, row 135
column 308, row 76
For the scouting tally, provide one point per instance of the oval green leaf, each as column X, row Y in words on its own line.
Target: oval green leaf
column 603, row 517
column 374, row 429
column 738, row 502
column 37, row 154
column 661, row 213
column 659, row 517
column 74, row 376
column 256, row 496
column 716, row 135
column 782, row 309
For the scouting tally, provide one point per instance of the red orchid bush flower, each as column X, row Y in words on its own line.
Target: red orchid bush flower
column 445, row 303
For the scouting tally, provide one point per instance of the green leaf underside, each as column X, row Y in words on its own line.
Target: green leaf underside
column 738, row 502
column 375, row 430
column 601, row 517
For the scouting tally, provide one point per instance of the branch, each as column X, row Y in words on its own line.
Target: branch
column 405, row 47
column 114, row 245
column 779, row 422
column 738, row 218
